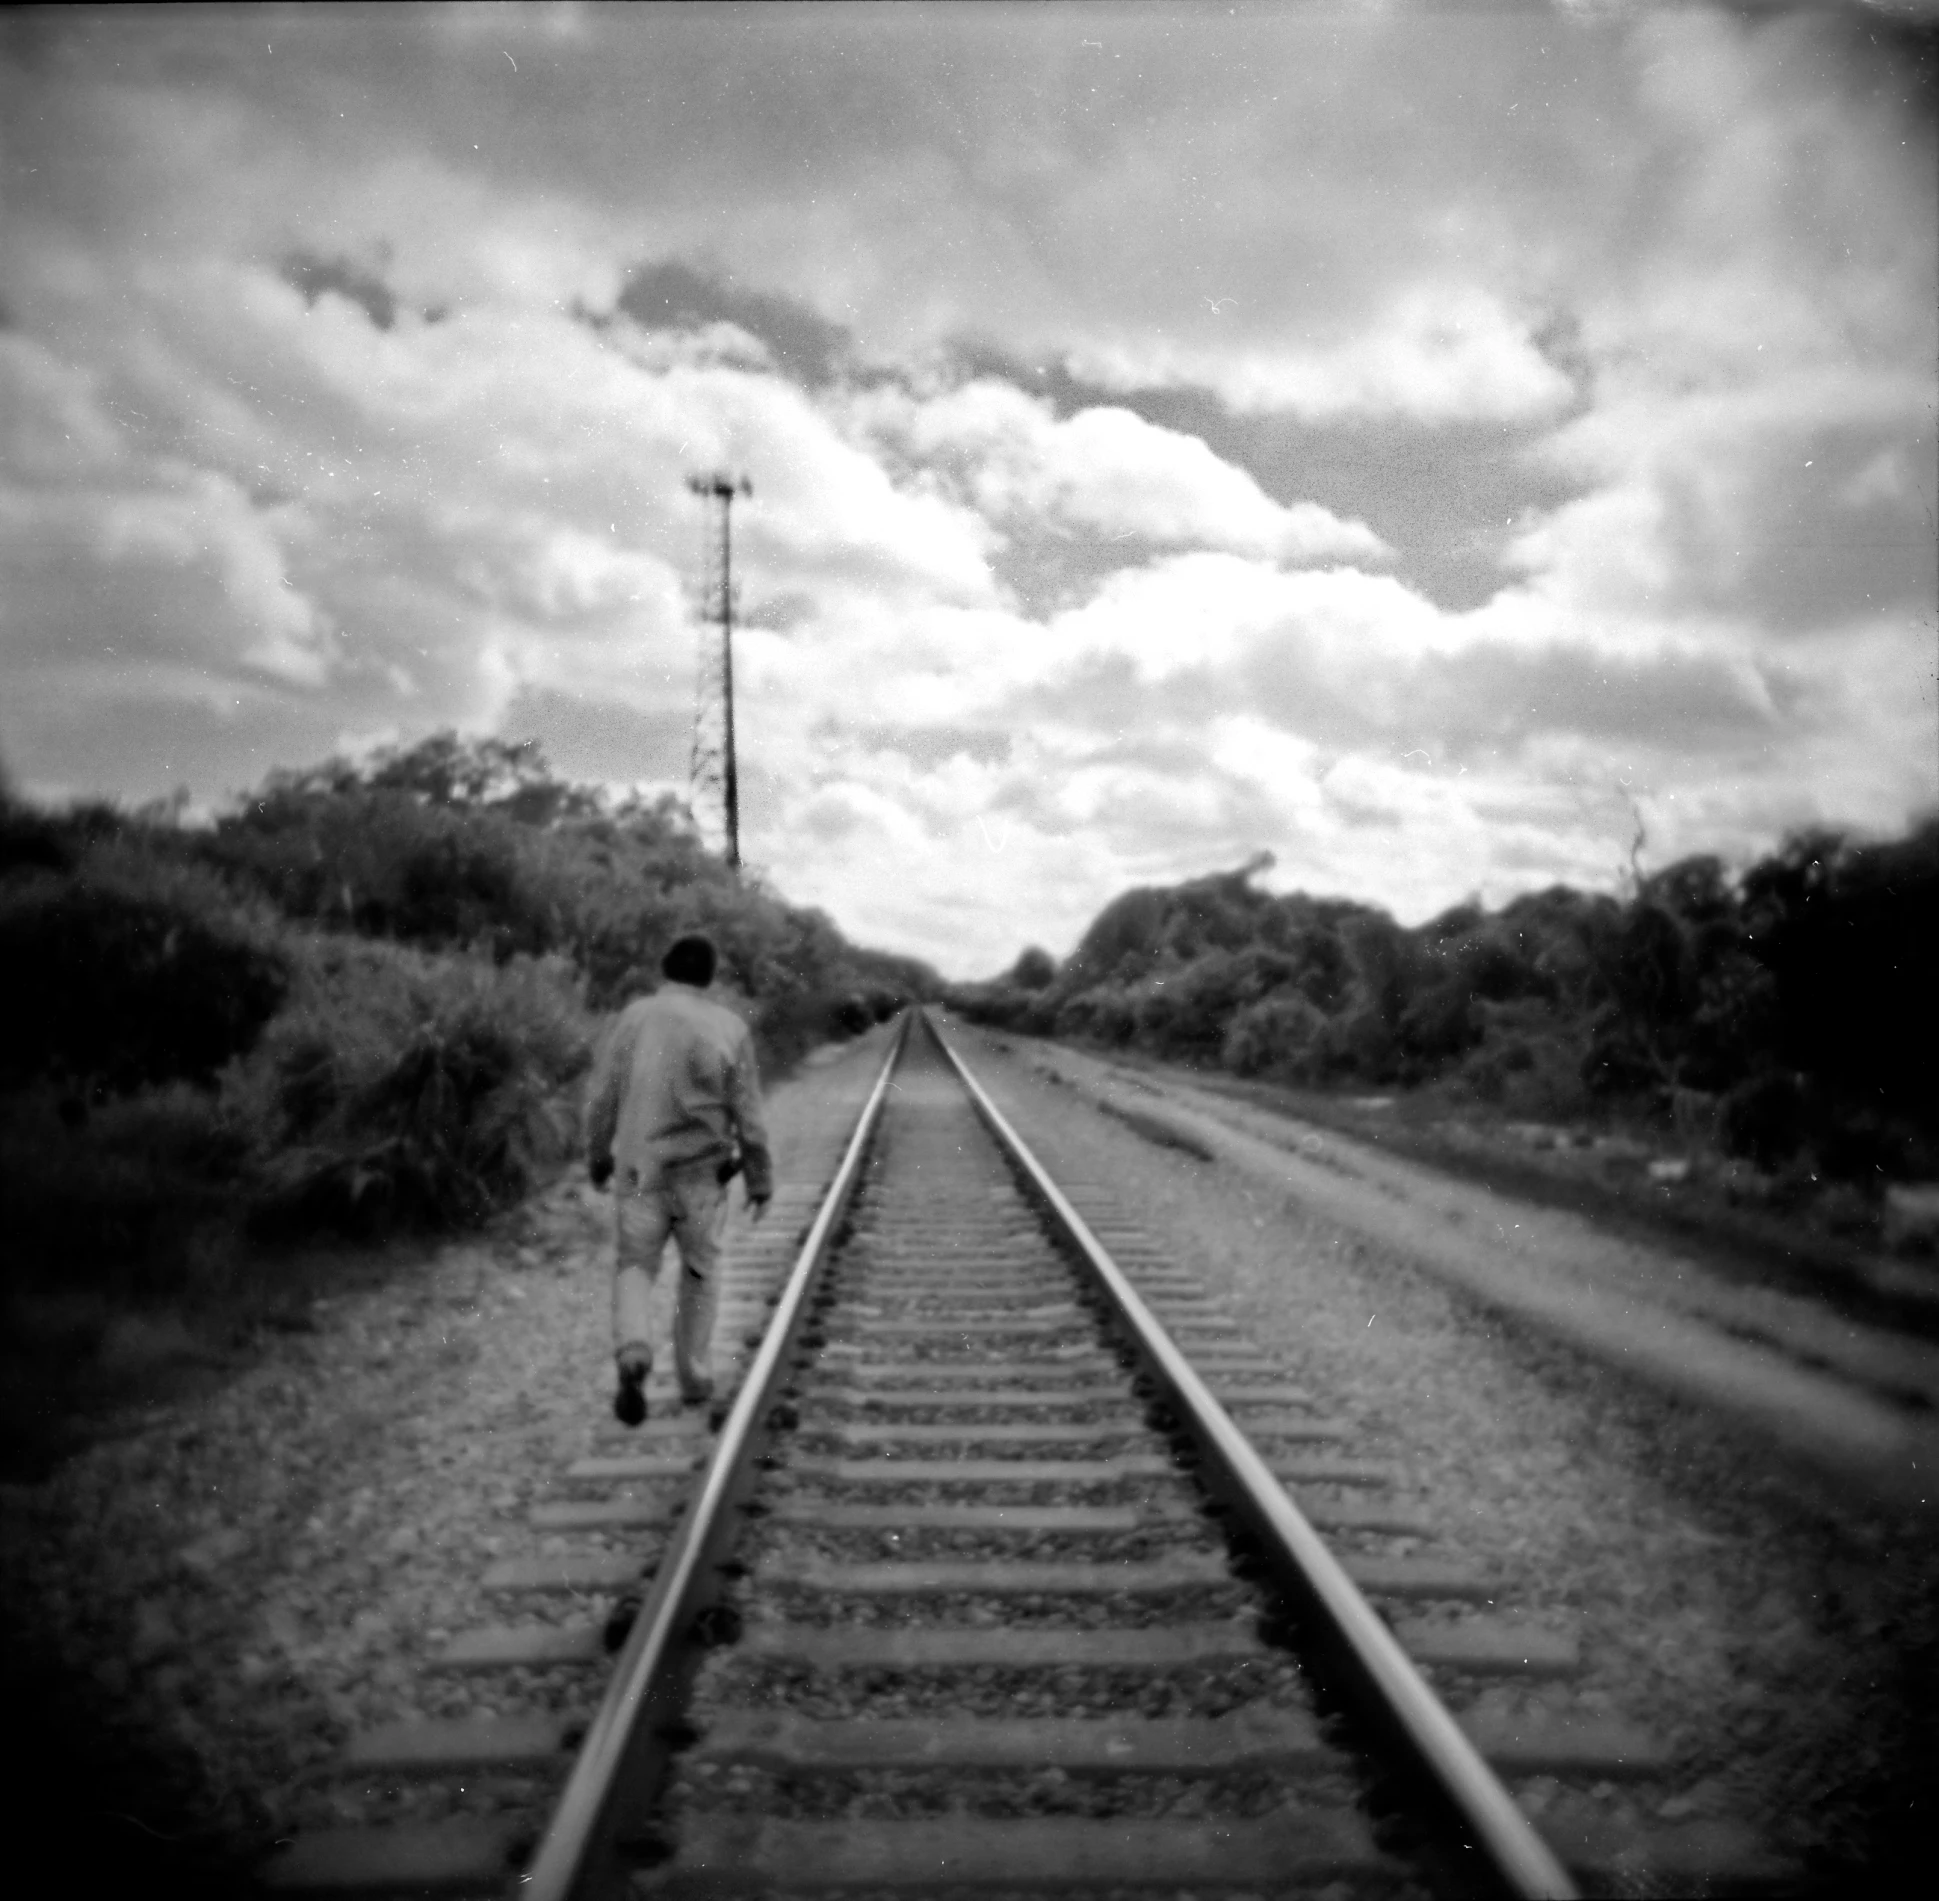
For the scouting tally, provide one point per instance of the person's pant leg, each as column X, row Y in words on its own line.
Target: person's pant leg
column 643, row 1217
column 699, row 1227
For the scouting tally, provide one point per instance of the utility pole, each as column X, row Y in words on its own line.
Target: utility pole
column 712, row 763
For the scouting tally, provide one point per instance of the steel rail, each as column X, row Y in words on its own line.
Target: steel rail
column 577, row 1859
column 1520, row 1859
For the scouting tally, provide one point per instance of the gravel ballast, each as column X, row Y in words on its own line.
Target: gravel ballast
column 222, row 1594
column 1776, row 1627
column 210, row 1602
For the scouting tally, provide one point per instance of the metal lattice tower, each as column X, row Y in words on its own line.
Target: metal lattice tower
column 711, row 770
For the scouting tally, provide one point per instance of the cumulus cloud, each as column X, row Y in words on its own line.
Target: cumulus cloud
column 78, row 493
column 1104, row 470
column 317, row 276
column 208, row 523
column 1435, row 354
column 351, row 388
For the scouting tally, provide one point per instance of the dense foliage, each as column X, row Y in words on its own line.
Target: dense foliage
column 1789, row 1013
column 360, row 1000
column 121, row 978
column 453, row 844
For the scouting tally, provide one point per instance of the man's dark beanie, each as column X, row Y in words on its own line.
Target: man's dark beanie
column 689, row 960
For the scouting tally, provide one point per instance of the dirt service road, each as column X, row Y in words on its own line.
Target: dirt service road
column 1855, row 1401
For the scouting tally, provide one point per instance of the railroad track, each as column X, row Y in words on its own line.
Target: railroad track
column 993, row 1579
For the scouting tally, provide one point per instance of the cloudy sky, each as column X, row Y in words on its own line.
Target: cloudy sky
column 1418, row 442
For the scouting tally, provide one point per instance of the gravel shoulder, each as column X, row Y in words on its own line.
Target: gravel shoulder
column 1860, row 1402
column 200, row 1607
column 1735, row 1592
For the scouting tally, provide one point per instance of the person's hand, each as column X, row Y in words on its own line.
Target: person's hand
column 757, row 1206
column 601, row 1170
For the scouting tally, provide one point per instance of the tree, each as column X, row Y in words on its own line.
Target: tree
column 1846, row 930
column 1035, row 969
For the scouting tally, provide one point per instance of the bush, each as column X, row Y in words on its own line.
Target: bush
column 1322, row 970
column 1144, row 930
column 1359, row 1045
column 1275, row 1036
column 1104, row 1015
column 1486, row 1075
column 1734, row 1024
column 1763, row 1119
column 1846, row 931
column 121, row 1199
column 1796, row 998
column 1035, row 969
column 30, row 840
column 339, row 1082
column 1440, row 1023
column 402, row 1091
column 788, row 1025
column 124, row 977
column 1867, row 1148
column 1618, row 1060
column 378, row 861
column 1190, row 1011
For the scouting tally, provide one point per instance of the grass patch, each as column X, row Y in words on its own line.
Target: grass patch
column 1778, row 1232
column 1166, row 1135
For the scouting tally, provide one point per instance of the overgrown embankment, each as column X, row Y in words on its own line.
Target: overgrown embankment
column 356, row 1006
column 1773, row 1036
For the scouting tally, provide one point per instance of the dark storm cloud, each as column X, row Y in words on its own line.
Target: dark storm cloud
column 673, row 295
column 1447, row 498
column 1456, row 706
column 316, row 277
column 1677, row 701
column 1044, row 375
column 1461, row 705
column 1890, row 47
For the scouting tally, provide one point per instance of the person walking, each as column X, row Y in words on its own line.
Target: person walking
column 674, row 1110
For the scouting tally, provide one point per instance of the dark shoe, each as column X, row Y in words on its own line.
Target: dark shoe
column 629, row 1403
column 619, row 1624
column 698, row 1395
